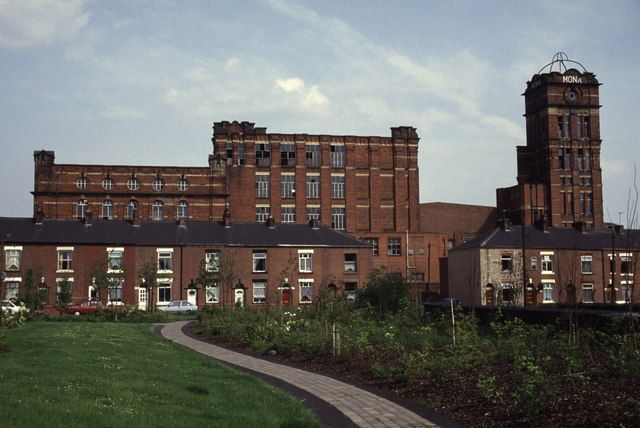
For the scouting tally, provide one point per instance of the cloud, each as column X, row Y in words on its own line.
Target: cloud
column 124, row 112
column 292, row 84
column 197, row 74
column 29, row 23
column 616, row 167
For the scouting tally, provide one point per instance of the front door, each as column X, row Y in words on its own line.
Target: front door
column 142, row 298
column 239, row 297
column 192, row 296
column 286, row 296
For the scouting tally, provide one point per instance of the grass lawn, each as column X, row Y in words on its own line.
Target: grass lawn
column 106, row 374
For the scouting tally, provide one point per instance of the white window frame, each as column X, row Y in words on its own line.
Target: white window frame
column 62, row 261
column 305, row 261
column 81, row 209
column 107, row 183
column 583, row 260
column 305, row 285
column 350, row 265
column 338, row 218
column 82, row 183
column 262, row 213
column 183, row 184
column 157, row 184
column 337, row 156
column 587, row 286
column 157, row 211
column 165, row 253
column 212, row 260
column 263, row 181
column 17, row 250
column 133, row 183
column 394, row 246
column 164, row 285
column 257, row 256
column 337, row 186
column 288, row 186
column 111, row 251
column 118, row 290
column 131, row 207
column 313, row 186
column 259, row 297
column 182, row 210
column 7, row 282
column 546, row 260
column 212, row 294
column 315, row 215
column 548, row 292
column 288, row 214
column 107, row 210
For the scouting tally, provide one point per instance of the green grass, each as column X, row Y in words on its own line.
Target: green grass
column 113, row 375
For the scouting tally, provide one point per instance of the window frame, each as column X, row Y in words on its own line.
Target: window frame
column 133, row 183
column 107, row 210
column 157, row 184
column 165, row 260
column 82, row 182
column 263, row 212
column 305, row 261
column 262, row 185
column 287, row 186
column 157, row 210
column 107, row 183
column 17, row 256
column 584, row 259
column 394, row 247
column 183, row 184
column 259, row 257
column 337, row 155
column 288, row 157
column 261, row 297
column 305, row 285
column 350, row 262
column 212, row 260
column 288, row 214
column 337, row 186
column 584, row 287
column 182, row 210
column 338, row 218
column 312, row 183
column 64, row 264
column 506, row 263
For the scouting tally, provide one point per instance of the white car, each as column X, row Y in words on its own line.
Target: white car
column 178, row 306
column 9, row 306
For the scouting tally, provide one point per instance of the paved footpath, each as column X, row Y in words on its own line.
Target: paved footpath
column 362, row 407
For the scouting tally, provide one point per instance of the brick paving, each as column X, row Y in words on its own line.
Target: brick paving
column 362, row 407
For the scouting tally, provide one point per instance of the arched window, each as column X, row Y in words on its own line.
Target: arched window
column 107, row 210
column 133, row 183
column 157, row 184
column 82, row 183
column 131, row 207
column 183, row 184
column 81, row 209
column 157, row 211
column 183, row 210
column 107, row 183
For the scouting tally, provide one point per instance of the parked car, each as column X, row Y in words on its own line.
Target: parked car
column 10, row 307
column 85, row 307
column 178, row 306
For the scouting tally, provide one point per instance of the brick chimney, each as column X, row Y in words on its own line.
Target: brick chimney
column 226, row 217
column 314, row 223
column 38, row 218
column 88, row 217
column 135, row 218
column 182, row 222
column 270, row 223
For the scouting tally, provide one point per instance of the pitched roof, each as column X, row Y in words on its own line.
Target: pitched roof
column 554, row 238
column 23, row 230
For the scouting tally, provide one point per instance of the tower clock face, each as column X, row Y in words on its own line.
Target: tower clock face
column 572, row 95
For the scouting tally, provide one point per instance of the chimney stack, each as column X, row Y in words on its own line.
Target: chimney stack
column 226, row 217
column 271, row 223
column 135, row 218
column 88, row 217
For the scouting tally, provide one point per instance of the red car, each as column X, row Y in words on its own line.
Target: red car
column 85, row 307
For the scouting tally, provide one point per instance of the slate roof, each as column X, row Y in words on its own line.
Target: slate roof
column 166, row 233
column 554, row 238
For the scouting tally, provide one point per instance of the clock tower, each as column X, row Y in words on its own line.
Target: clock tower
column 559, row 175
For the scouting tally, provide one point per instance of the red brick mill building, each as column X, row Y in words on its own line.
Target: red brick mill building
column 362, row 190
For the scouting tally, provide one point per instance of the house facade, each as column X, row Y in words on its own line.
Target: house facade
column 531, row 266
column 207, row 263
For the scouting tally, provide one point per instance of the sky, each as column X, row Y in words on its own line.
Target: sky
column 141, row 82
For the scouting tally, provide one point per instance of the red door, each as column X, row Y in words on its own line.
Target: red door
column 286, row 297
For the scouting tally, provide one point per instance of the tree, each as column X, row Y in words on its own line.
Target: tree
column 107, row 275
column 31, row 296
column 148, row 275
column 63, row 297
column 385, row 291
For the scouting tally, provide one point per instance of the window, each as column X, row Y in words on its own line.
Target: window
column 306, row 290
column 586, row 203
column 259, row 291
column 288, row 185
column 81, row 209
column 338, row 218
column 417, row 277
column 262, row 213
column 313, row 213
column 183, row 210
column 263, row 154
column 507, row 292
column 157, row 211
column 350, row 262
column 115, row 291
column 625, row 265
column 262, row 185
column 164, row 292
column 183, row 184
column 82, row 183
column 350, row 291
column 337, row 186
column 132, row 207
column 338, row 156
column 165, row 261
column 506, row 263
column 107, row 183
column 12, row 290
column 107, row 210
column 240, row 154
column 583, row 126
column 12, row 258
column 534, row 263
column 212, row 293
column 586, row 264
column 288, row 154
column 65, row 259
column 393, row 247
column 114, row 259
column 313, row 155
column 229, row 153
column 548, row 292
column 259, row 261
column 313, row 186
column 157, row 184
column 305, row 261
column 133, row 183
column 375, row 250
column 212, row 261
column 564, row 127
column 547, row 264
column 288, row 214
column 626, row 292
column 587, row 293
